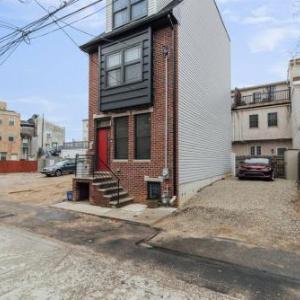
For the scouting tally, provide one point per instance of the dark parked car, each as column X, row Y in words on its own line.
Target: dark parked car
column 256, row 167
column 60, row 168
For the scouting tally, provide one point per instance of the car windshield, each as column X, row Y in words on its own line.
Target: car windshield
column 60, row 164
column 261, row 161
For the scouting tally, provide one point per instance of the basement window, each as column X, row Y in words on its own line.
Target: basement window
column 154, row 190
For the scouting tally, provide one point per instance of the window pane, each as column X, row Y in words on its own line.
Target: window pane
column 120, row 18
column 113, row 78
column 253, row 121
column 272, row 119
column 119, row 4
column 139, row 9
column 143, row 136
column 121, row 138
column 133, row 73
column 252, row 151
column 114, row 60
column 258, row 150
column 132, row 54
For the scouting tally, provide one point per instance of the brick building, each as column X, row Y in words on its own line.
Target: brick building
column 10, row 140
column 159, row 103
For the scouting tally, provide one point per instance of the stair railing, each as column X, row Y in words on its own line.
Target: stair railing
column 112, row 173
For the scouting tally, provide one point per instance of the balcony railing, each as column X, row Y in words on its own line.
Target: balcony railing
column 260, row 98
column 76, row 145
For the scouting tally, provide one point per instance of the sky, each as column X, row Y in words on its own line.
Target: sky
column 49, row 74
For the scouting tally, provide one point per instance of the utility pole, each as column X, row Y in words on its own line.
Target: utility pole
column 43, row 124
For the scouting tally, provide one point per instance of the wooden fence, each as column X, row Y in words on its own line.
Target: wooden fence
column 277, row 161
column 17, row 166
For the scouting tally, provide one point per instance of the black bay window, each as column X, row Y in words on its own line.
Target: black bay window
column 125, row 11
column 124, row 66
column 143, row 136
column 121, row 137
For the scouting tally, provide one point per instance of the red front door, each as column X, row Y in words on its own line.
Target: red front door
column 102, row 157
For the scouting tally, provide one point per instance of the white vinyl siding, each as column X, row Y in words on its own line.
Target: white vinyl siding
column 204, row 93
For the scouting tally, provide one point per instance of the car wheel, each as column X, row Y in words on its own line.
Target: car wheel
column 58, row 173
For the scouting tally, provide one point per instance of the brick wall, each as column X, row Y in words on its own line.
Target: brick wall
column 15, row 166
column 132, row 172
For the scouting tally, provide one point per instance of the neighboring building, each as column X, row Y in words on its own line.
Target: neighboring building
column 159, row 103
column 28, row 134
column 85, row 130
column 71, row 149
column 38, row 133
column 262, row 118
column 9, row 133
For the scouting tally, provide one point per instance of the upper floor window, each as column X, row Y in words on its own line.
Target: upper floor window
column 272, row 119
column 124, row 66
column 125, row 11
column 253, row 121
column 11, row 138
column 11, row 121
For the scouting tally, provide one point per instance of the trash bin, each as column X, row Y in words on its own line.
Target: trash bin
column 70, row 196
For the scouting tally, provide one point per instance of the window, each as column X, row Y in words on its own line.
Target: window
column 121, row 138
column 272, row 120
column 124, row 66
column 11, row 138
column 125, row 11
column 0, row 121
column 143, row 136
column 255, row 151
column 3, row 155
column 11, row 121
column 281, row 151
column 253, row 121
column 133, row 64
column 154, row 190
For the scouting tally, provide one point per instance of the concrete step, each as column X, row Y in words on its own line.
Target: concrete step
column 114, row 196
column 122, row 202
column 106, row 184
column 110, row 190
column 103, row 178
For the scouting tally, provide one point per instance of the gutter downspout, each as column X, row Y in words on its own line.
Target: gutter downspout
column 175, row 179
column 166, row 170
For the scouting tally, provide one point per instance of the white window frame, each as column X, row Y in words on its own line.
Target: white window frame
column 255, row 150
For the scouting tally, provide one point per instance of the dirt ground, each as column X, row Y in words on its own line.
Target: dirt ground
column 258, row 213
column 34, row 188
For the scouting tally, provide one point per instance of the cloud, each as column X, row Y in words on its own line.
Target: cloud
column 269, row 39
column 259, row 15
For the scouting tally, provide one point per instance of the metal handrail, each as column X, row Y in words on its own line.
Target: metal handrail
column 113, row 175
column 89, row 167
column 263, row 97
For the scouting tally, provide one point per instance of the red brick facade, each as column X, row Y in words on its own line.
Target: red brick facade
column 132, row 172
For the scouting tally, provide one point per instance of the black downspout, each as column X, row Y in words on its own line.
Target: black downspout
column 175, row 179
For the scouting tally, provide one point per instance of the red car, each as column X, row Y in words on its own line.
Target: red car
column 256, row 167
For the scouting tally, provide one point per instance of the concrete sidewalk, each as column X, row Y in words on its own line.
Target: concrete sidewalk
column 137, row 213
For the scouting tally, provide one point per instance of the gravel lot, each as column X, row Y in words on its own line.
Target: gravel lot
column 34, row 188
column 259, row 213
